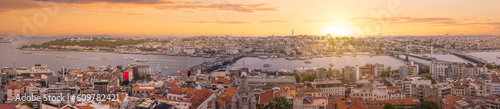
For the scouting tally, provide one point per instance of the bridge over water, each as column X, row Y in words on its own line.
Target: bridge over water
column 423, row 57
column 469, row 57
column 210, row 66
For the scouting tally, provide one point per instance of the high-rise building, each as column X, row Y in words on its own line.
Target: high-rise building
column 410, row 69
column 438, row 69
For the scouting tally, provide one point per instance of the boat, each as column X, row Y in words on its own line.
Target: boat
column 145, row 53
column 263, row 57
column 128, row 58
column 267, row 65
column 59, row 56
column 331, row 64
column 2, row 40
column 141, row 60
column 307, row 62
column 106, row 59
column 26, row 52
column 290, row 58
column 206, row 56
column 167, row 67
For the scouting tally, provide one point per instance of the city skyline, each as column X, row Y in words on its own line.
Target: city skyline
column 255, row 17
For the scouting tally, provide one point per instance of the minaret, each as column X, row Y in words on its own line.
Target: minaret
column 432, row 50
column 407, row 44
column 357, row 72
column 64, row 75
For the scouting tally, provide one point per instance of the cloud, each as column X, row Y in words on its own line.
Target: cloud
column 187, row 7
column 401, row 19
column 272, row 21
column 219, row 22
column 246, row 8
column 142, row 2
column 13, row 5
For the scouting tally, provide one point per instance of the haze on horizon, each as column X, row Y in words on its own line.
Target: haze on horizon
column 249, row 17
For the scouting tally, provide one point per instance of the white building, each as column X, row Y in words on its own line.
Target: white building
column 330, row 87
column 438, row 70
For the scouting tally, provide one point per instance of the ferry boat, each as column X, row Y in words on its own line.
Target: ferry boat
column 105, row 59
column 141, row 60
column 263, row 57
column 267, row 65
column 59, row 56
column 128, row 58
column 26, row 52
column 2, row 40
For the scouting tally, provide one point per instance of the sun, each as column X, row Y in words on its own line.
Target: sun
column 338, row 29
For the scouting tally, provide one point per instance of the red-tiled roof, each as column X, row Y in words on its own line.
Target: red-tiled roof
column 199, row 97
column 226, row 96
column 14, row 85
column 7, row 106
column 477, row 83
column 459, row 87
column 266, row 97
column 178, row 90
column 356, row 103
column 451, row 102
column 223, row 80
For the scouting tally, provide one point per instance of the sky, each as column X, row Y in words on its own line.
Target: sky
column 249, row 17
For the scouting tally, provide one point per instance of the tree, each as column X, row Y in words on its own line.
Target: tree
column 384, row 73
column 297, row 77
column 429, row 105
column 136, row 76
column 423, row 70
column 309, row 77
column 479, row 65
column 489, row 66
column 29, row 104
column 279, row 103
column 389, row 106
column 125, row 82
column 260, row 106
column 430, row 77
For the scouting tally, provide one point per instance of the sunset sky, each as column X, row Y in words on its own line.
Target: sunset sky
column 249, row 17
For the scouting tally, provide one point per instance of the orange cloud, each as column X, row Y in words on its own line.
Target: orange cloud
column 247, row 8
column 144, row 2
column 273, row 21
column 12, row 5
column 220, row 22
